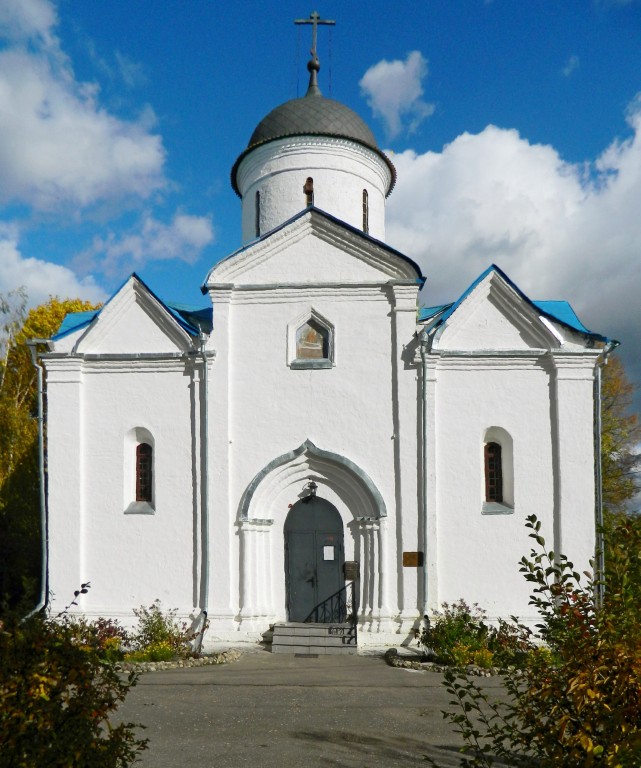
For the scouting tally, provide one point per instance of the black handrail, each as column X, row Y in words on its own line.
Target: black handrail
column 339, row 608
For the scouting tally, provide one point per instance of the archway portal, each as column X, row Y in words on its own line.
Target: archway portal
column 314, row 555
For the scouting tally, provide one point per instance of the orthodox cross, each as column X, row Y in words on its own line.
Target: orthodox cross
column 314, row 20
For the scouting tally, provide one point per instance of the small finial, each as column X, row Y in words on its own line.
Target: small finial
column 313, row 65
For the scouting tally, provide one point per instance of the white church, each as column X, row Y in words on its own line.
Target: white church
column 312, row 429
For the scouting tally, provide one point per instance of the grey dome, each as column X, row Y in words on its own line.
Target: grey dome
column 312, row 115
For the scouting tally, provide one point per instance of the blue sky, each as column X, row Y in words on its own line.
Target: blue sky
column 515, row 128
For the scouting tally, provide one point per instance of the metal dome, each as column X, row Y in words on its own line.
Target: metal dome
column 312, row 115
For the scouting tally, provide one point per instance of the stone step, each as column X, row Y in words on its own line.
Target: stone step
column 318, row 639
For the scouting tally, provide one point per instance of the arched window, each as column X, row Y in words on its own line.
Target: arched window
column 493, row 473
column 498, row 466
column 257, row 214
column 365, row 212
column 144, row 472
column 308, row 190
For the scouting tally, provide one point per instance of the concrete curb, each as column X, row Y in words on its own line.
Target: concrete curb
column 393, row 658
column 225, row 657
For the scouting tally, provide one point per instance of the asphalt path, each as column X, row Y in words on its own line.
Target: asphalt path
column 277, row 711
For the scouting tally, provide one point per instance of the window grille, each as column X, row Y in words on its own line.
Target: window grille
column 365, row 212
column 493, row 473
column 257, row 214
column 144, row 472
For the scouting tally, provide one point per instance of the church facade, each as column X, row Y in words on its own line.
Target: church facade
column 230, row 460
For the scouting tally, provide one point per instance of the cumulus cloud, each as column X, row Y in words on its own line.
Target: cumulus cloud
column 24, row 19
column 558, row 230
column 116, row 254
column 394, row 91
column 41, row 279
column 58, row 146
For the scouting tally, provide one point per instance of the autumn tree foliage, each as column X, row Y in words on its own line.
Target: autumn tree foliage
column 620, row 438
column 19, row 479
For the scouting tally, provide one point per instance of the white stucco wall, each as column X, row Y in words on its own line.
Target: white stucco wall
column 349, row 409
column 95, row 400
column 341, row 170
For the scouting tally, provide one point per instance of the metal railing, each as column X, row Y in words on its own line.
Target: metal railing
column 339, row 608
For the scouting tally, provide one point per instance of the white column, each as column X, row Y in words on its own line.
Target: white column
column 429, row 467
column 65, row 491
column 247, row 563
column 574, row 528
column 255, row 561
column 406, row 388
column 223, row 550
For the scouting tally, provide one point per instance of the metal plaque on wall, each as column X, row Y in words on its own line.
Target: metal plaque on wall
column 412, row 559
column 351, row 570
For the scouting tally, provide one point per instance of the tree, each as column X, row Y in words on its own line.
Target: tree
column 620, row 438
column 19, row 472
column 576, row 701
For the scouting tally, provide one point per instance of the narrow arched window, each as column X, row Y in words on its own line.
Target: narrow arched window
column 144, row 472
column 493, row 473
column 365, row 212
column 308, row 190
column 257, row 214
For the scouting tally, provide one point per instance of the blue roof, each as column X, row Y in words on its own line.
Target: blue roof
column 191, row 318
column 558, row 311
column 427, row 313
column 563, row 312
column 74, row 321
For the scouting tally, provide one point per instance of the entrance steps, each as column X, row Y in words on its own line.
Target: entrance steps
column 311, row 639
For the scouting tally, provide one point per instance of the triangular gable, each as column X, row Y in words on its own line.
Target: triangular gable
column 313, row 247
column 494, row 314
column 135, row 320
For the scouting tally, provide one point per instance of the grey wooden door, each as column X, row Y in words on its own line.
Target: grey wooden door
column 314, row 555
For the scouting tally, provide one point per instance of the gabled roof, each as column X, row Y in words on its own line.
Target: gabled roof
column 420, row 279
column 557, row 311
column 191, row 319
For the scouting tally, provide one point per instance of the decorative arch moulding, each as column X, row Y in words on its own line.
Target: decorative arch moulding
column 344, row 469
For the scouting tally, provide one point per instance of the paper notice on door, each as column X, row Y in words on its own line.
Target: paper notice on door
column 328, row 553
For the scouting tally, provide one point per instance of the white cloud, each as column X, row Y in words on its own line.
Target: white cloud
column 58, row 146
column 41, row 278
column 558, row 230
column 394, row 91
column 183, row 238
column 24, row 19
column 571, row 66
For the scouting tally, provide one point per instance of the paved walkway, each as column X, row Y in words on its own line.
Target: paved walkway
column 276, row 711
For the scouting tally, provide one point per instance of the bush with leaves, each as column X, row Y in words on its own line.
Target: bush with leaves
column 577, row 701
column 460, row 635
column 58, row 696
column 159, row 637
column 455, row 634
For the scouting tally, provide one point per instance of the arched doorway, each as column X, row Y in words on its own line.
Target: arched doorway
column 314, row 555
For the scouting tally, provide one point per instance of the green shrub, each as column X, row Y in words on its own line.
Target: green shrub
column 459, row 635
column 454, row 635
column 58, row 695
column 159, row 637
column 577, row 701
